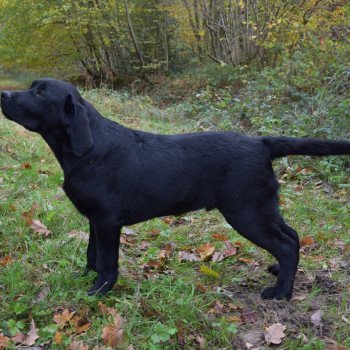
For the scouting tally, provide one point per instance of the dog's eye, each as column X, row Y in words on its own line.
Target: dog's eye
column 39, row 92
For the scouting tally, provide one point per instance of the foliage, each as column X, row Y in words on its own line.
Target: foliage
column 115, row 41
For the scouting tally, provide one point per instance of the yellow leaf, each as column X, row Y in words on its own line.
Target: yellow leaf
column 57, row 339
column 209, row 272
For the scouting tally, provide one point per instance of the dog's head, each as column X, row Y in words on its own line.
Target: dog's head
column 50, row 106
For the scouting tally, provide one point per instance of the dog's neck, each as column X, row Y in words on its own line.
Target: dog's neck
column 58, row 141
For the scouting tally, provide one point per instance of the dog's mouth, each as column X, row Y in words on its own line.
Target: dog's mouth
column 8, row 113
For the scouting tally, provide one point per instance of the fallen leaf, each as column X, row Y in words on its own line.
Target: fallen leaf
column 80, row 324
column 32, row 335
column 275, row 333
column 153, row 263
column 248, row 261
column 209, row 272
column 220, row 237
column 62, row 318
column 78, row 345
column 187, row 255
column 25, row 165
column 28, row 215
column 234, row 319
column 57, row 338
column 154, row 233
column 112, row 336
column 166, row 252
column 333, row 345
column 218, row 308
column 201, row 287
column 7, row 259
column 316, row 318
column 19, row 338
column 218, row 256
column 42, row 294
column 104, row 309
column 79, row 234
column 230, row 249
column 168, row 219
column 4, row 341
column 128, row 240
column 238, row 245
column 205, row 251
column 307, row 241
column 38, row 227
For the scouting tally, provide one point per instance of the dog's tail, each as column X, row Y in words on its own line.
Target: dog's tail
column 283, row 146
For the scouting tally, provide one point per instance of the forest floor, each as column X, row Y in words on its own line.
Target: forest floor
column 172, row 293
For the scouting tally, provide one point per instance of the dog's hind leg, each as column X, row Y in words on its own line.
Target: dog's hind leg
column 275, row 268
column 267, row 231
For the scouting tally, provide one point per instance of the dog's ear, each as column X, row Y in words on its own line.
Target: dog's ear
column 78, row 127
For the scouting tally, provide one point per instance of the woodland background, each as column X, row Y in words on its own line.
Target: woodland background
column 278, row 67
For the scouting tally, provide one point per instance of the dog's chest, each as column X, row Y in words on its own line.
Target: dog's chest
column 81, row 197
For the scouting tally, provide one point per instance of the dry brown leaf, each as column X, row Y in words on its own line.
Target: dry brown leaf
column 220, row 237
column 38, row 227
column 32, row 335
column 307, row 241
column 78, row 345
column 275, row 333
column 248, row 261
column 333, row 345
column 26, row 165
column 316, row 318
column 218, row 308
column 57, row 338
column 234, row 319
column 79, row 234
column 28, row 215
column 19, row 338
column 62, row 318
column 4, row 341
column 218, row 256
column 166, row 252
column 80, row 324
column 230, row 249
column 42, row 294
column 7, row 259
column 112, row 336
column 188, row 255
column 153, row 263
column 201, row 287
column 128, row 240
column 205, row 251
column 104, row 309
column 238, row 245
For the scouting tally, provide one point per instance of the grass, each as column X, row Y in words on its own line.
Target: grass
column 176, row 306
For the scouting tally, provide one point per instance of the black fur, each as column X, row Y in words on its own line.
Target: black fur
column 117, row 176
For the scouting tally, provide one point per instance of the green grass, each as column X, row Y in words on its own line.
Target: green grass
column 178, row 302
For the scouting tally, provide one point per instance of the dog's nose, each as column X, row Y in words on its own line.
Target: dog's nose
column 5, row 95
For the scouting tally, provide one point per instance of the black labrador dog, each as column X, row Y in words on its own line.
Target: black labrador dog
column 117, row 176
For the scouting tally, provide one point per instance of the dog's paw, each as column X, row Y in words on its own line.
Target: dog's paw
column 274, row 269
column 275, row 293
column 103, row 284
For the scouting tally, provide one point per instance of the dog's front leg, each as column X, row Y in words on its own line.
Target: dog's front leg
column 91, row 251
column 107, row 243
